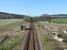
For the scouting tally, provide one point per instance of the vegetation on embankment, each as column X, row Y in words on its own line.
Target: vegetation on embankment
column 11, row 43
column 10, row 27
column 44, row 40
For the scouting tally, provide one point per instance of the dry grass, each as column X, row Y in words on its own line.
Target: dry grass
column 15, row 35
column 45, row 42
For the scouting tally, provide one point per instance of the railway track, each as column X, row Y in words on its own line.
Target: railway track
column 32, row 39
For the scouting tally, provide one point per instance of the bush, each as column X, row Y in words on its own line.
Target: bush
column 26, row 19
column 65, row 38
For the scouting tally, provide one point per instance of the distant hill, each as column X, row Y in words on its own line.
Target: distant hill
column 56, row 15
column 4, row 15
column 59, row 15
column 48, row 17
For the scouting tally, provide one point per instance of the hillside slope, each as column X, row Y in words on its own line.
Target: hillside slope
column 4, row 15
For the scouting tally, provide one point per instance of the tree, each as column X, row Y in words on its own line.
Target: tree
column 27, row 19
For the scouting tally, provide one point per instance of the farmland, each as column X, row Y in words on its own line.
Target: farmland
column 4, row 22
column 59, row 21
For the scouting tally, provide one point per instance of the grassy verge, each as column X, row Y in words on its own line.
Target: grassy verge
column 45, row 42
column 11, row 43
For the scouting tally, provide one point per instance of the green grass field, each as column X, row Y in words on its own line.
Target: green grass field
column 7, row 21
column 59, row 21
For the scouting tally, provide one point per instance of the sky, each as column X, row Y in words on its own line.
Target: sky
column 34, row 7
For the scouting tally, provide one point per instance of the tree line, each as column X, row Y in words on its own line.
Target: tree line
column 11, row 16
